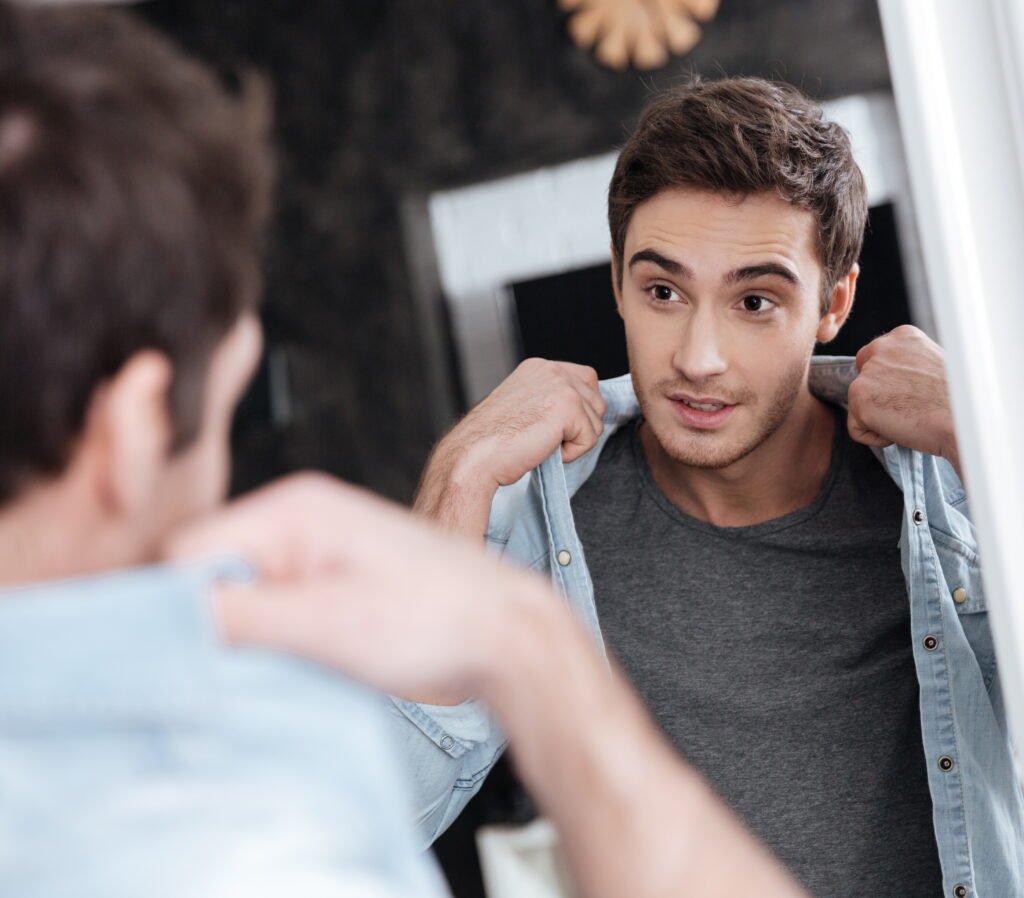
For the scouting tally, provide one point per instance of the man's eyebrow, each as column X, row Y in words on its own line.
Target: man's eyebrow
column 670, row 265
column 750, row 272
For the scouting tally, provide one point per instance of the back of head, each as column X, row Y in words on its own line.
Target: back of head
column 741, row 136
column 133, row 196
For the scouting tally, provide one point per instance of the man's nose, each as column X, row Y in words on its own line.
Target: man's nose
column 700, row 354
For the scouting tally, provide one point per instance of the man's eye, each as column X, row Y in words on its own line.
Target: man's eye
column 756, row 304
column 662, row 293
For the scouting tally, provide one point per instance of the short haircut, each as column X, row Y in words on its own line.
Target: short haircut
column 741, row 136
column 134, row 192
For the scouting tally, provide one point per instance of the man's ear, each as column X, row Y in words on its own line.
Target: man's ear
column 616, row 282
column 840, row 307
column 128, row 432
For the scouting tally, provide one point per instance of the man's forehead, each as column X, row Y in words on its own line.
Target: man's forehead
column 720, row 229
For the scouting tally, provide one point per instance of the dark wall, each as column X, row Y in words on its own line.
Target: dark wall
column 379, row 101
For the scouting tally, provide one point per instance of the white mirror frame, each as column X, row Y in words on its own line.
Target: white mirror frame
column 959, row 85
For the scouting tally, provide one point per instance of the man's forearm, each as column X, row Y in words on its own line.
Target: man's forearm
column 634, row 819
column 453, row 493
column 542, row 405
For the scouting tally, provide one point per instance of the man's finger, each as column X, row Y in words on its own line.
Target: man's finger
column 595, row 421
column 591, row 394
column 865, row 435
column 865, row 353
column 585, row 431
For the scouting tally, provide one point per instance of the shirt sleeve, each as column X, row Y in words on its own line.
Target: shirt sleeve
column 447, row 752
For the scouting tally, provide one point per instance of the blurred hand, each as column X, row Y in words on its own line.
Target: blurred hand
column 353, row 582
column 900, row 395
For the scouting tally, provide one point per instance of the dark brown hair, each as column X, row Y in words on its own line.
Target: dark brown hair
column 134, row 191
column 741, row 136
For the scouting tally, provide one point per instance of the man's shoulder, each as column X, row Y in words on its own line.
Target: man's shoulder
column 139, row 644
column 136, row 639
column 194, row 763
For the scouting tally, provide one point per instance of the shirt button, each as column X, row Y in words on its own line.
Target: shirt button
column 960, row 891
column 564, row 558
column 447, row 743
column 945, row 764
column 931, row 643
column 959, row 595
column 918, row 516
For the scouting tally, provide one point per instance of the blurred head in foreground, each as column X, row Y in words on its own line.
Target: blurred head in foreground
column 134, row 191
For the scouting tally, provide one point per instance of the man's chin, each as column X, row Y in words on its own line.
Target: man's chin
column 708, row 458
column 707, row 451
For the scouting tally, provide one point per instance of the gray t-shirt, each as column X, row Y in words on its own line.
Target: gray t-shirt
column 777, row 658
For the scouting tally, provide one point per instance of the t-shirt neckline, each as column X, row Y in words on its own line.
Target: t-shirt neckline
column 750, row 531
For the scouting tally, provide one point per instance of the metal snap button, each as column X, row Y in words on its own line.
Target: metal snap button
column 564, row 558
column 931, row 643
column 959, row 595
column 945, row 764
column 447, row 742
column 918, row 516
column 960, row 891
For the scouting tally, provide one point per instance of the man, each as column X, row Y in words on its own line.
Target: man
column 802, row 614
column 138, row 754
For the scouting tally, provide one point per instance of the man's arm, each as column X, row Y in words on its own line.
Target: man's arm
column 900, row 396
column 540, row 406
column 355, row 584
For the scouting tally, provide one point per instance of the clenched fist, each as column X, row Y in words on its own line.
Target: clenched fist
column 900, row 395
column 540, row 406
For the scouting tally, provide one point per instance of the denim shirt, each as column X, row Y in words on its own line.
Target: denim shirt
column 976, row 795
column 140, row 756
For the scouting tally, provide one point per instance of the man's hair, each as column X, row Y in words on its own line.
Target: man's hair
column 134, row 191
column 741, row 136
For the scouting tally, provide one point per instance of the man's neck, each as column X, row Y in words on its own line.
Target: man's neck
column 784, row 474
column 49, row 534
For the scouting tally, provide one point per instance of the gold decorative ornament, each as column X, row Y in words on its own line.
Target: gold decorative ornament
column 641, row 32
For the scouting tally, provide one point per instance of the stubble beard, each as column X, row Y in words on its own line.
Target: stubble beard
column 708, row 449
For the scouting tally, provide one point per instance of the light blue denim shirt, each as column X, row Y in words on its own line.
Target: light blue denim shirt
column 140, row 757
column 976, row 795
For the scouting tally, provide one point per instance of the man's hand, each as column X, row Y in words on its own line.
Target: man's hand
column 350, row 581
column 540, row 406
column 900, row 395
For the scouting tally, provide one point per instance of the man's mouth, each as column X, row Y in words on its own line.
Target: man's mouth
column 704, row 406
column 702, row 412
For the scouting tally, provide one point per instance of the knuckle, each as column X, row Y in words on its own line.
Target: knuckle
column 315, row 479
column 324, row 488
column 569, row 400
column 298, row 491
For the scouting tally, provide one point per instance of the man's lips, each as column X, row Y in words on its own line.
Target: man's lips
column 701, row 403
column 703, row 412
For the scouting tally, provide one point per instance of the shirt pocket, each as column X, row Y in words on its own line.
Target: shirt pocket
column 961, row 570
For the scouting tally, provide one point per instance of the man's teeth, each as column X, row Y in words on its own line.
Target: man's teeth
column 704, row 408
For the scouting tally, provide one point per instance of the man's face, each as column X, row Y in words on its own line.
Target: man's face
column 721, row 304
